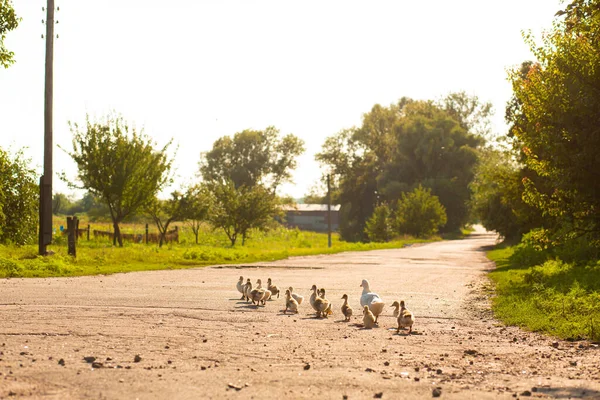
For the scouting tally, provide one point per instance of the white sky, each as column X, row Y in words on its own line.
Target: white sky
column 199, row 70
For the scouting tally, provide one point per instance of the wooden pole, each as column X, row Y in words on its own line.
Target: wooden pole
column 328, row 210
column 46, row 182
column 72, row 224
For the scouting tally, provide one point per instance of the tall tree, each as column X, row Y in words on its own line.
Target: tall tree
column 556, row 119
column 472, row 114
column 196, row 206
column 120, row 165
column 61, row 204
column 19, row 196
column 497, row 196
column 252, row 158
column 8, row 22
column 238, row 210
column 399, row 147
column 164, row 212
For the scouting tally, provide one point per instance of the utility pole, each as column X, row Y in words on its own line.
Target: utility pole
column 46, row 180
column 328, row 210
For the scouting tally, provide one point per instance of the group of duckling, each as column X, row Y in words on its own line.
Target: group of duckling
column 371, row 303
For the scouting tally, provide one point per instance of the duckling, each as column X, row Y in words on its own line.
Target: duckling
column 406, row 319
column 368, row 318
column 268, row 293
column 274, row 289
column 290, row 302
column 240, row 287
column 346, row 309
column 313, row 296
column 328, row 310
column 321, row 292
column 266, row 296
column 319, row 304
column 246, row 290
column 397, row 310
column 256, row 295
column 371, row 299
column 296, row 297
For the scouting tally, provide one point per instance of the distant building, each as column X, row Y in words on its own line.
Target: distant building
column 312, row 217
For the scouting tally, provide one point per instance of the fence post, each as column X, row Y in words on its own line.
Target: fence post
column 76, row 228
column 88, row 232
column 146, row 233
column 72, row 223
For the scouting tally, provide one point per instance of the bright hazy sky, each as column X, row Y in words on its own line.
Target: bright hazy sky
column 199, row 70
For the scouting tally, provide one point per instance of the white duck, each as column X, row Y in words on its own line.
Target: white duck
column 371, row 299
column 296, row 297
column 240, row 287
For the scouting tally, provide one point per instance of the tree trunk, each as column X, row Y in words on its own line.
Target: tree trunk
column 117, row 235
column 196, row 231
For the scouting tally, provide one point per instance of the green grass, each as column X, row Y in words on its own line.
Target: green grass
column 553, row 297
column 98, row 256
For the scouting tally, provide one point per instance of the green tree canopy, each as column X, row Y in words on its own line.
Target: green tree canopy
column 120, row 165
column 401, row 146
column 19, row 196
column 196, row 205
column 497, row 196
column 61, row 204
column 164, row 212
column 419, row 213
column 252, row 158
column 8, row 22
column 555, row 117
column 238, row 210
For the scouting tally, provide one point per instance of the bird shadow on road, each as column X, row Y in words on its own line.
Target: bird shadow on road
column 249, row 306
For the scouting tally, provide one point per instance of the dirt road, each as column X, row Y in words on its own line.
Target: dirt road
column 194, row 338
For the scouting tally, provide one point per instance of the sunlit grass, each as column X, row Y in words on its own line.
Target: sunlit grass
column 98, row 256
column 557, row 298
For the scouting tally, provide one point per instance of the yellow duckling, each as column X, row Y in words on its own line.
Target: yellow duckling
column 406, row 319
column 296, row 297
column 397, row 310
column 257, row 295
column 290, row 303
column 319, row 304
column 240, row 287
column 346, row 309
column 274, row 289
column 246, row 290
column 368, row 318
column 322, row 295
column 266, row 296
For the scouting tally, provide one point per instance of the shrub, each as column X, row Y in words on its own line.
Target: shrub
column 378, row 228
column 420, row 213
column 18, row 199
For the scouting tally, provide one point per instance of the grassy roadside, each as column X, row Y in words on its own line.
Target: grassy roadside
column 100, row 257
column 554, row 297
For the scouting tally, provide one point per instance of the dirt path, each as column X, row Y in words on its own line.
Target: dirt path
column 195, row 339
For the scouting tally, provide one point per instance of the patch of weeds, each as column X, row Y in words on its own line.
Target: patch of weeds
column 554, row 297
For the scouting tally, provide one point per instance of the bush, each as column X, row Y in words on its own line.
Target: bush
column 378, row 228
column 18, row 199
column 9, row 268
column 420, row 213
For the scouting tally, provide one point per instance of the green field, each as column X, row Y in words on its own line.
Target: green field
column 98, row 256
column 553, row 297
